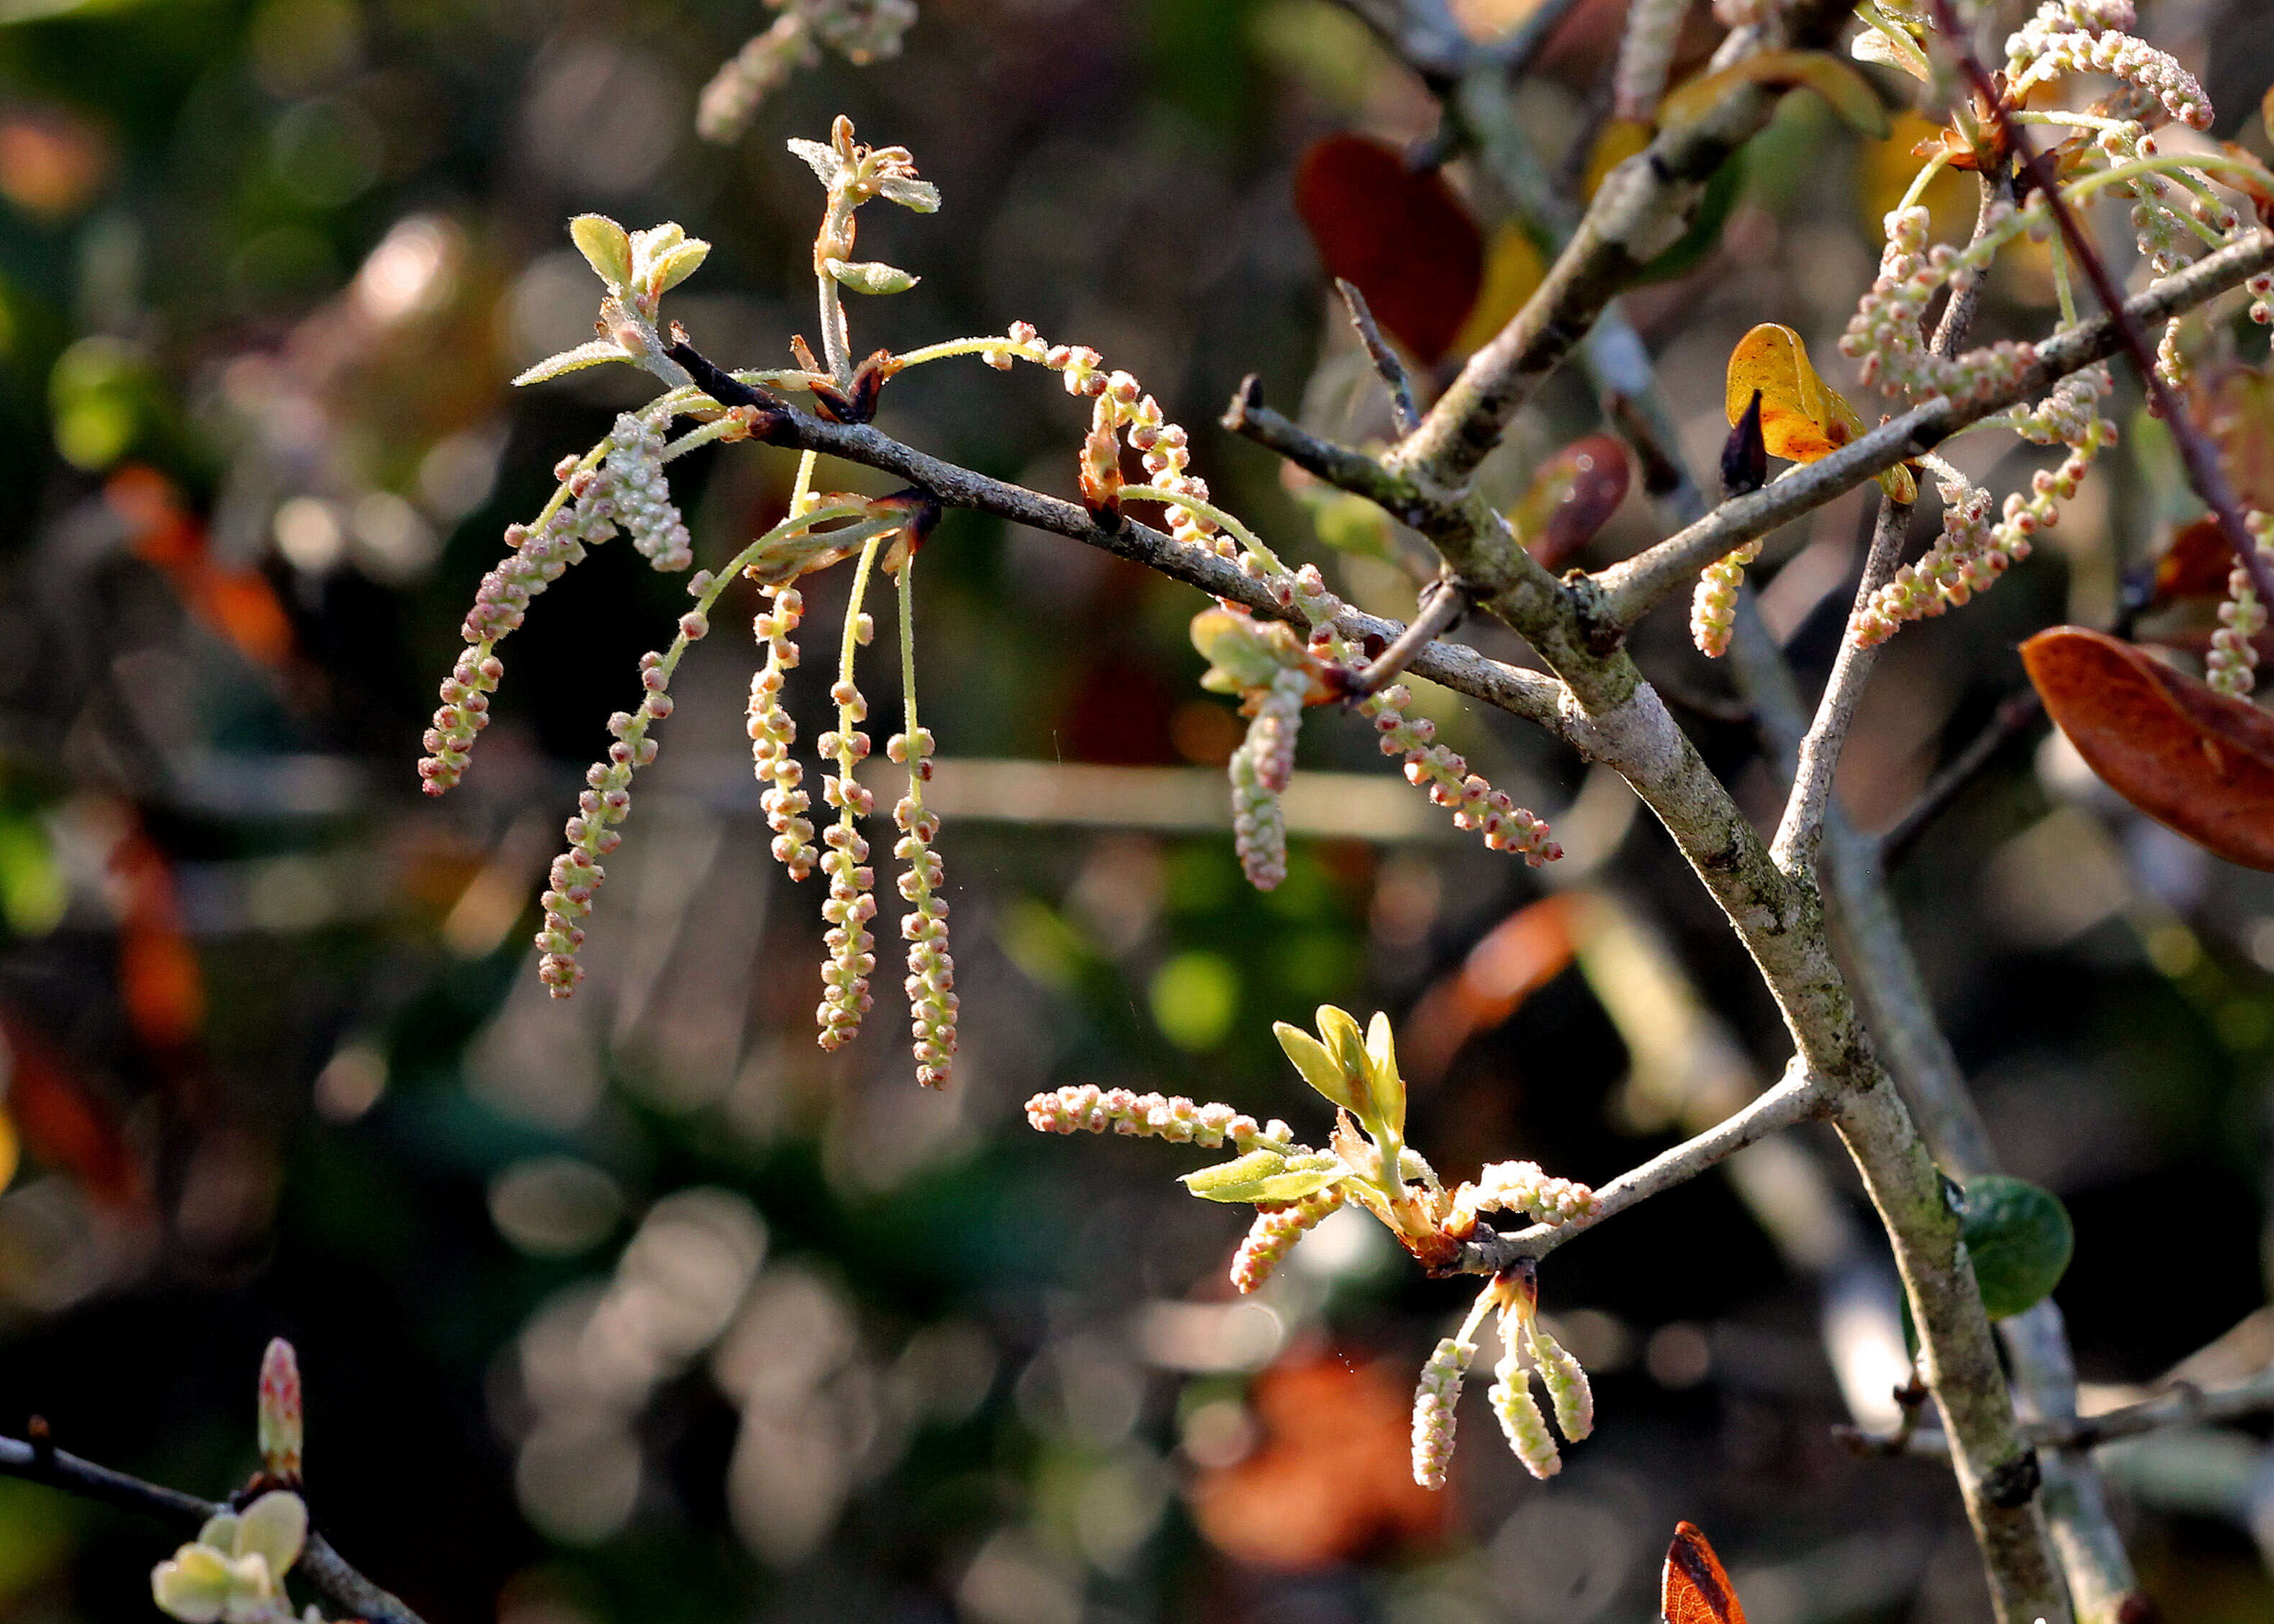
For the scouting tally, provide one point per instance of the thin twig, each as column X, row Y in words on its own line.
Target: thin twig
column 2196, row 450
column 2016, row 715
column 1391, row 371
column 1532, row 695
column 1442, row 606
column 2185, row 1404
column 1798, row 1097
column 1801, row 830
column 330, row 1572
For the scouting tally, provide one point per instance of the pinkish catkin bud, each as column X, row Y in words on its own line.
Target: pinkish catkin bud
column 279, row 1426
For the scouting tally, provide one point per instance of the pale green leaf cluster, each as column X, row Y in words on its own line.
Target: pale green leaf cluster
column 233, row 1573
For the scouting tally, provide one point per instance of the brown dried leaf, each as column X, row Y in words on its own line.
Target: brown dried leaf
column 2194, row 759
column 1696, row 1589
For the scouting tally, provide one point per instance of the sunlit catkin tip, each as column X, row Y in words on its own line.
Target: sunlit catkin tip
column 1436, row 1398
column 1521, row 1420
column 279, row 1424
column 1566, row 1386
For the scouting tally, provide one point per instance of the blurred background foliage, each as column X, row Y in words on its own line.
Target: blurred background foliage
column 638, row 1308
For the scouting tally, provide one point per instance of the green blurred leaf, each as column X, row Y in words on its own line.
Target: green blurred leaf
column 2020, row 1240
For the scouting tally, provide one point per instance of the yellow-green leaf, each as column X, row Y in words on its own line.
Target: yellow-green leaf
column 1384, row 1085
column 1886, row 40
column 1267, row 1175
column 1317, row 1066
column 1849, row 92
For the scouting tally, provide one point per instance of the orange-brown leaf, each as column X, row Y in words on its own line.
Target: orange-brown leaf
column 1407, row 242
column 1329, row 1482
column 1803, row 419
column 1695, row 1588
column 1513, row 961
column 65, row 1121
column 2191, row 758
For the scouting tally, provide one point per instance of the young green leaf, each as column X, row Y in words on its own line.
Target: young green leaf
column 594, row 353
column 1338, row 1030
column 1266, row 1176
column 1385, row 1088
column 870, row 276
column 1318, row 1067
column 606, row 248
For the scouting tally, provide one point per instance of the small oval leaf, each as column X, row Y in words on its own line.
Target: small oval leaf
column 2020, row 1240
column 871, row 276
column 1694, row 1587
column 607, row 247
column 1407, row 242
column 2194, row 759
column 1232, row 1180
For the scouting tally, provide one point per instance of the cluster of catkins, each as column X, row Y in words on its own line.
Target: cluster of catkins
column 1883, row 335
column 1259, row 768
column 1526, row 1350
column 2093, row 36
column 582, row 513
column 860, row 31
column 1971, row 552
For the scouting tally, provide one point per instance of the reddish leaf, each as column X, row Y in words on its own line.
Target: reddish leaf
column 2196, row 564
column 1572, row 495
column 64, row 1120
column 1330, row 1481
column 2191, row 758
column 1404, row 238
column 1513, row 961
column 1696, row 1589
column 235, row 600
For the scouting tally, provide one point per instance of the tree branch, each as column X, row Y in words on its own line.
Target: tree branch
column 1798, row 1097
column 1532, row 695
column 1628, row 590
column 324, row 1566
column 2184, row 1405
column 1387, row 366
column 1801, row 831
